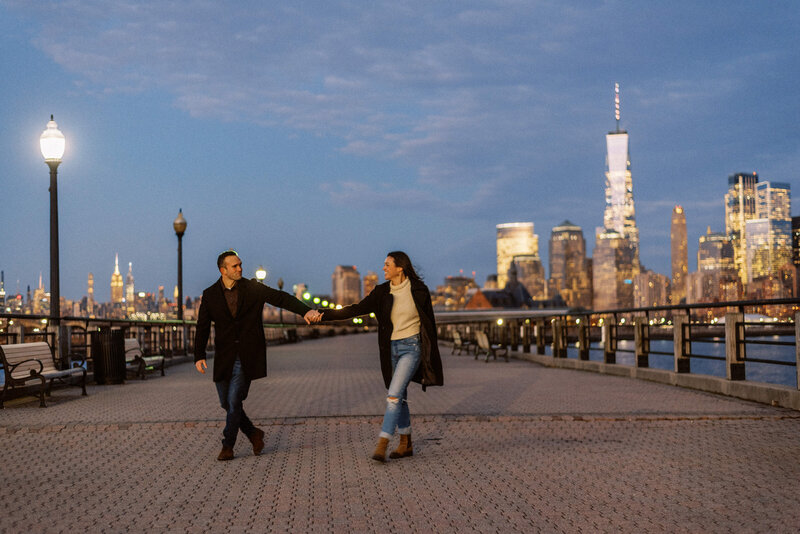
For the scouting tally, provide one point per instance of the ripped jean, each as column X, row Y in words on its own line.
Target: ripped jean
column 405, row 361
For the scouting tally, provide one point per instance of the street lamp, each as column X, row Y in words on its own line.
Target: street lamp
column 261, row 274
column 52, row 144
column 179, row 224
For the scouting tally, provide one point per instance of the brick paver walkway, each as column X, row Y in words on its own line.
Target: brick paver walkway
column 503, row 447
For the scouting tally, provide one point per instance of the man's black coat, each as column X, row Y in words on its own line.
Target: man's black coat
column 243, row 335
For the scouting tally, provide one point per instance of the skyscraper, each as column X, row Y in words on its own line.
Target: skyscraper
column 2, row 291
column 90, row 294
column 514, row 239
column 569, row 274
column 679, row 248
column 740, row 206
column 615, row 260
column 768, row 237
column 620, row 214
column 346, row 282
column 370, row 281
column 718, row 277
column 530, row 273
column 129, row 291
column 116, row 282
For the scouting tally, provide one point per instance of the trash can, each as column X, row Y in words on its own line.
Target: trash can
column 108, row 355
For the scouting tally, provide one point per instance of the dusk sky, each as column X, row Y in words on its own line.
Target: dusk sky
column 311, row 134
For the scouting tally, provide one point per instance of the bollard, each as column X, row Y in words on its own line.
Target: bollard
column 641, row 336
column 539, row 336
column 583, row 339
column 559, row 338
column 682, row 345
column 734, row 349
column 525, row 334
column 610, row 344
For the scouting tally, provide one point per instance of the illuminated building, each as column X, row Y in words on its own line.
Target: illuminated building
column 530, row 273
column 346, row 282
column 513, row 239
column 116, row 282
column 2, row 290
column 569, row 273
column 740, row 206
column 769, row 241
column 620, row 214
column 454, row 294
column 90, row 295
column 41, row 303
column 650, row 289
column 615, row 260
column 370, row 281
column 716, row 269
column 129, row 291
column 612, row 271
column 679, row 248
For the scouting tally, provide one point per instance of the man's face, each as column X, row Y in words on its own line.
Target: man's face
column 231, row 268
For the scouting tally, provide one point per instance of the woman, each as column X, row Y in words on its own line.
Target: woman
column 407, row 340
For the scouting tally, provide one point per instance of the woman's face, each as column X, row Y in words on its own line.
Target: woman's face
column 392, row 271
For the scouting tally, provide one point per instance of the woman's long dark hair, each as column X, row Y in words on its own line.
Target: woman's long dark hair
column 402, row 260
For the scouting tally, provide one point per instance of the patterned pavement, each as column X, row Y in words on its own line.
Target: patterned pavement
column 502, row 447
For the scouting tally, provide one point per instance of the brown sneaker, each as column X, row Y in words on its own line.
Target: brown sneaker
column 257, row 439
column 225, row 454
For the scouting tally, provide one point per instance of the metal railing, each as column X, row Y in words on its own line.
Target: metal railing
column 724, row 330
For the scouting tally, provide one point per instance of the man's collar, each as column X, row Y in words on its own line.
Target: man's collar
column 222, row 282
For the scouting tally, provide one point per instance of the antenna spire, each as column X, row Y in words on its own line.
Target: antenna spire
column 616, row 104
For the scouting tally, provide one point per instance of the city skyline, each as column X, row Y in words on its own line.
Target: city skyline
column 335, row 138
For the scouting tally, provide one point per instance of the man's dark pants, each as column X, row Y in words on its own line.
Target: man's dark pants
column 232, row 394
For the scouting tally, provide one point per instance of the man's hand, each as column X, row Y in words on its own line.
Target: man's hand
column 201, row 366
column 312, row 316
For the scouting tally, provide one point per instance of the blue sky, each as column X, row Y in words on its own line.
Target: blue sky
column 311, row 134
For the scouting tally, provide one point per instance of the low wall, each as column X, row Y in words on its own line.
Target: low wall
column 773, row 394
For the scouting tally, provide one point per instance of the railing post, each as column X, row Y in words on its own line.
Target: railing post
column 513, row 332
column 680, row 345
column 641, row 336
column 797, row 346
column 583, row 339
column 540, row 336
column 610, row 345
column 734, row 334
column 559, row 350
column 525, row 330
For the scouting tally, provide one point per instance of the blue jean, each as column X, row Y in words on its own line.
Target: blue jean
column 232, row 394
column 405, row 361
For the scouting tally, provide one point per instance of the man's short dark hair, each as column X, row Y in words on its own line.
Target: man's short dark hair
column 221, row 257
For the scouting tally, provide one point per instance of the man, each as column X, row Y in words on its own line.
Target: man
column 235, row 305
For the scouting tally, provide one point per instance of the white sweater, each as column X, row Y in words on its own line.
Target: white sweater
column 405, row 318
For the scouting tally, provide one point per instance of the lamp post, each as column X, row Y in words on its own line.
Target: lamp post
column 179, row 224
column 261, row 274
column 52, row 144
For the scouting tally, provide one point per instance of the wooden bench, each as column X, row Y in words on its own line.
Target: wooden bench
column 460, row 344
column 23, row 362
column 137, row 363
column 484, row 347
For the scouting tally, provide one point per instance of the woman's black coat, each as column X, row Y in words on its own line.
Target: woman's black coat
column 379, row 302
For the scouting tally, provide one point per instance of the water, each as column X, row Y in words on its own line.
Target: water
column 758, row 372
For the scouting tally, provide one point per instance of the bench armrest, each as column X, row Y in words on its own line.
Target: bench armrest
column 75, row 358
column 33, row 372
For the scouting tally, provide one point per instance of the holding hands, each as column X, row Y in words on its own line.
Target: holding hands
column 313, row 316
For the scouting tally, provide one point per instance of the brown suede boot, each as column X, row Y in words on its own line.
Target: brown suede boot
column 404, row 449
column 380, row 450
